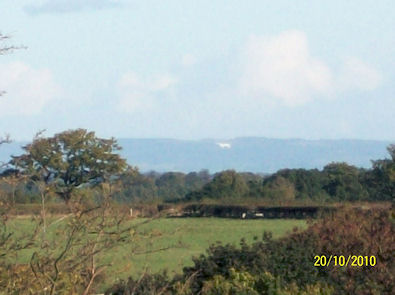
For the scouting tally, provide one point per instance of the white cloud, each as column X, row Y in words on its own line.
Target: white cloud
column 64, row 6
column 28, row 90
column 356, row 74
column 162, row 82
column 282, row 68
column 138, row 94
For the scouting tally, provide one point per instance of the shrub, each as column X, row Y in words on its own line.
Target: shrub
column 349, row 232
column 286, row 266
column 146, row 284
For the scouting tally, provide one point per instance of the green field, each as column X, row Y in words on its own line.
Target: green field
column 181, row 239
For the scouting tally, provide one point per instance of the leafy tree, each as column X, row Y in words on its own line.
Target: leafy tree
column 226, row 184
column 391, row 151
column 68, row 259
column 171, row 186
column 308, row 183
column 136, row 186
column 380, row 181
column 280, row 189
column 391, row 170
column 343, row 182
column 70, row 160
column 196, row 180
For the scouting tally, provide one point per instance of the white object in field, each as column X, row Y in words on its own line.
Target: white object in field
column 224, row 145
column 259, row 214
column 243, row 215
column 131, row 212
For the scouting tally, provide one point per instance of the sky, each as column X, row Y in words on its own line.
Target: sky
column 199, row 69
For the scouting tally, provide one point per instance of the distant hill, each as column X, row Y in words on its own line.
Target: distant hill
column 254, row 154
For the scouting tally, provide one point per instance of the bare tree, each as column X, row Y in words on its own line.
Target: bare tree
column 5, row 49
column 5, row 139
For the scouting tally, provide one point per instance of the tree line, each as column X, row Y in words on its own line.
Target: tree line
column 78, row 160
column 336, row 182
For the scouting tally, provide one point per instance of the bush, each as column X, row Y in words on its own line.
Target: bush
column 286, row 266
column 146, row 284
column 350, row 232
column 243, row 283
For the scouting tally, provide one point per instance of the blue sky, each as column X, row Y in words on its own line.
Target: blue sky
column 200, row 69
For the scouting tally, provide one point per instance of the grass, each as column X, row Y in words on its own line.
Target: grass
column 172, row 242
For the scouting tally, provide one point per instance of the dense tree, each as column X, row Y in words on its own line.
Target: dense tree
column 308, row 183
column 196, row 180
column 70, row 160
column 226, row 184
column 343, row 182
column 380, row 181
column 280, row 189
column 336, row 182
column 391, row 151
column 136, row 186
column 152, row 186
column 64, row 259
column 171, row 186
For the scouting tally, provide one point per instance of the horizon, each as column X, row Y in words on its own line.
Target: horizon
column 248, row 154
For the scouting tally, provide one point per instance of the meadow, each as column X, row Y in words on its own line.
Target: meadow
column 170, row 243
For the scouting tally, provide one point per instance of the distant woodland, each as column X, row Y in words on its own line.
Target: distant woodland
column 336, row 182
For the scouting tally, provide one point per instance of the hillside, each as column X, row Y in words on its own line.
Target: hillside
column 254, row 154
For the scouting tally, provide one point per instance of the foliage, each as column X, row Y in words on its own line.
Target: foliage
column 352, row 232
column 70, row 160
column 66, row 252
column 308, row 184
column 380, row 181
column 151, row 187
column 238, row 283
column 343, row 182
column 279, row 188
column 146, row 284
column 65, row 256
column 337, row 182
column 243, row 283
column 227, row 184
